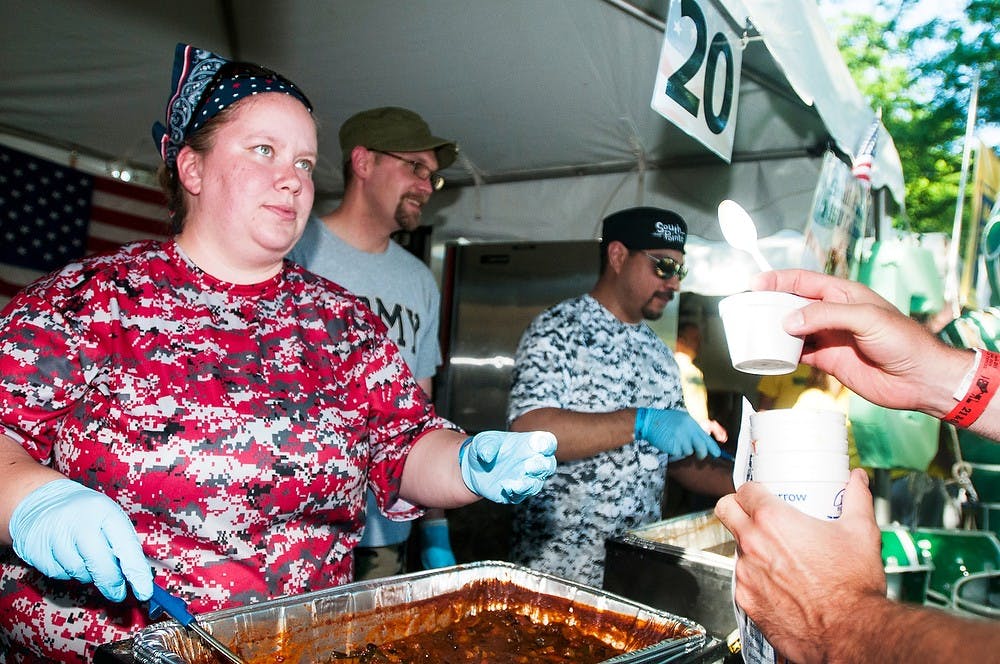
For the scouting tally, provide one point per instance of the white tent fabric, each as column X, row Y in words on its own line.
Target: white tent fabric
column 801, row 45
column 549, row 101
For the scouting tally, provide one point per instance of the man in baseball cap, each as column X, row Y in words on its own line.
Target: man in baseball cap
column 391, row 161
column 590, row 370
column 646, row 246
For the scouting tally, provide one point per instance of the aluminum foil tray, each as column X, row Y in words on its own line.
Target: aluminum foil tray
column 308, row 628
column 698, row 536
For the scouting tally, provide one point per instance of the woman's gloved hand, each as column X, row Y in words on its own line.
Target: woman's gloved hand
column 435, row 545
column 68, row 531
column 674, row 432
column 507, row 467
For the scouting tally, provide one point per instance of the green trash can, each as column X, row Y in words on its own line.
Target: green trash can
column 976, row 449
column 955, row 555
column 986, row 481
column 986, row 515
column 978, row 594
column 908, row 566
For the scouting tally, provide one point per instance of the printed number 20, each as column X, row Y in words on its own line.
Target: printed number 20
column 676, row 84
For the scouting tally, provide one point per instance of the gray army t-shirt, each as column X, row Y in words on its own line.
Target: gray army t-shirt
column 402, row 291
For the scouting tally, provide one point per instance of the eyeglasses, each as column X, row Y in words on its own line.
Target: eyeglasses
column 419, row 169
column 235, row 70
column 666, row 267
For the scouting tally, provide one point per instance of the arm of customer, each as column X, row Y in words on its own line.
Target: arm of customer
column 873, row 349
column 817, row 588
column 583, row 435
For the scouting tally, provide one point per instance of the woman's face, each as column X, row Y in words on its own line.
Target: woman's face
column 252, row 190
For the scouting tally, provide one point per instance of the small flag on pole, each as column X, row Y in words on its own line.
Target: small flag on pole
column 862, row 168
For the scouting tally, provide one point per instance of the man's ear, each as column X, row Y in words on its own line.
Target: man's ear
column 189, row 169
column 617, row 255
column 362, row 161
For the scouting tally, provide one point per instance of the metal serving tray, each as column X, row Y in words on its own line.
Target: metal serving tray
column 308, row 628
column 682, row 565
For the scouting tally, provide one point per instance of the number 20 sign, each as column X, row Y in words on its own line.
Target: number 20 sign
column 698, row 79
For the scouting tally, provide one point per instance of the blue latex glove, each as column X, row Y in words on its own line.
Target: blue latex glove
column 68, row 531
column 507, row 467
column 435, row 546
column 674, row 432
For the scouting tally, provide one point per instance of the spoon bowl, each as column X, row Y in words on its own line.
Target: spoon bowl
column 740, row 231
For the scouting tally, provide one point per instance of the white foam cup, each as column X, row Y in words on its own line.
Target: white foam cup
column 812, row 482
column 758, row 343
column 799, row 429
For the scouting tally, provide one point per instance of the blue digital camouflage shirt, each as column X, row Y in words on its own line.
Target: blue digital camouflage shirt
column 578, row 356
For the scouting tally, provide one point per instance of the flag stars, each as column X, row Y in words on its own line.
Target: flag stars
column 45, row 212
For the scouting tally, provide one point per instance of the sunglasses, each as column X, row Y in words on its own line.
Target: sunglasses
column 666, row 267
column 244, row 70
column 419, row 169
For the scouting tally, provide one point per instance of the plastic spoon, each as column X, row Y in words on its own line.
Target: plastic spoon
column 740, row 231
column 176, row 608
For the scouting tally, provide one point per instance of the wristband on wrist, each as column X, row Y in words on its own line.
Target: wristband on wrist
column 979, row 385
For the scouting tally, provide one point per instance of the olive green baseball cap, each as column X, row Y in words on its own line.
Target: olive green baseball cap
column 394, row 129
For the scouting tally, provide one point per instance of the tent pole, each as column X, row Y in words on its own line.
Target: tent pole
column 951, row 283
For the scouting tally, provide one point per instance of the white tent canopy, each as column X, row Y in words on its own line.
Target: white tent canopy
column 549, row 100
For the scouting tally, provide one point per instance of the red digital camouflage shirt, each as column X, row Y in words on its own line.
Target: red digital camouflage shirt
column 238, row 426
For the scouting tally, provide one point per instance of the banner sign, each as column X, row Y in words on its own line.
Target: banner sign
column 838, row 218
column 985, row 189
column 698, row 77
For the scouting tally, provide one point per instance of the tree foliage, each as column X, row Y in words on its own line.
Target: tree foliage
column 921, row 75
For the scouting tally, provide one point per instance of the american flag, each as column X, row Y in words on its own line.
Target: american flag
column 52, row 214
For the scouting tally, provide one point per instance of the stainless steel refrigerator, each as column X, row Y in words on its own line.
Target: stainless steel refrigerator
column 490, row 293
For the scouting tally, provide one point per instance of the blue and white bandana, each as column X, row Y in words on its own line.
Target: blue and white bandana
column 203, row 84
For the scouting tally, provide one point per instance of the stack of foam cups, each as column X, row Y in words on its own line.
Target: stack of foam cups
column 800, row 455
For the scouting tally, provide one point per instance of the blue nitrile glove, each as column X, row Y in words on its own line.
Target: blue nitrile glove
column 68, row 531
column 435, row 547
column 507, row 467
column 674, row 432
